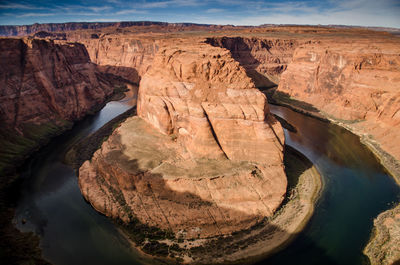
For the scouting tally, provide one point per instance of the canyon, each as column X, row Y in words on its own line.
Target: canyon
column 204, row 157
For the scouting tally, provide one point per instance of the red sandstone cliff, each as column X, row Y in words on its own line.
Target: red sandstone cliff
column 264, row 59
column 43, row 87
column 359, row 84
column 125, row 56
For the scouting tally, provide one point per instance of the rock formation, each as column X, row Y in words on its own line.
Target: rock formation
column 44, row 87
column 125, row 56
column 204, row 159
column 264, row 59
column 384, row 246
column 359, row 84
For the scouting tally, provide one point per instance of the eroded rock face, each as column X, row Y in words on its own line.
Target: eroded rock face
column 384, row 246
column 204, row 97
column 125, row 56
column 354, row 83
column 44, row 86
column 264, row 59
column 43, row 81
column 204, row 159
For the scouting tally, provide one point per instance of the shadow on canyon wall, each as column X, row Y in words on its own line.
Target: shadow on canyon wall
column 120, row 73
column 241, row 52
column 282, row 98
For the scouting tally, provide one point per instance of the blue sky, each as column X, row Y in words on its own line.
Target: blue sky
column 238, row 12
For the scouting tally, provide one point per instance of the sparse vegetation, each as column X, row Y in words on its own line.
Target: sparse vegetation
column 147, row 237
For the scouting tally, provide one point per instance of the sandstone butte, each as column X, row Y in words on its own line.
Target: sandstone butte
column 350, row 76
column 44, row 87
column 204, row 157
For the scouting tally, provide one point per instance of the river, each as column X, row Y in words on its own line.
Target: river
column 356, row 189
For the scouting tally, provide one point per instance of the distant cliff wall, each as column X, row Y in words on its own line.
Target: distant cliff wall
column 356, row 84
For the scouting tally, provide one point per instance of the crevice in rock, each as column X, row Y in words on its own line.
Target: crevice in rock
column 214, row 133
column 272, row 129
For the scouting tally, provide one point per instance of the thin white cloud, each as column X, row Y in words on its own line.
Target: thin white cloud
column 98, row 8
column 131, row 11
column 289, row 7
column 19, row 6
column 215, row 10
column 161, row 4
column 35, row 15
column 103, row 20
column 170, row 3
column 78, row 8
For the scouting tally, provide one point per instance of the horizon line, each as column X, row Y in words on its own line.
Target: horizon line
column 199, row 24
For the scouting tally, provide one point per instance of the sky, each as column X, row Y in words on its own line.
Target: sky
column 384, row 13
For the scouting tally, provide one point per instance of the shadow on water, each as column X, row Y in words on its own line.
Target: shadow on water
column 274, row 95
column 122, row 73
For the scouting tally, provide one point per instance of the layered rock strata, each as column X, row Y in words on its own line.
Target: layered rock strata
column 356, row 85
column 264, row 59
column 44, row 87
column 204, row 158
column 125, row 56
